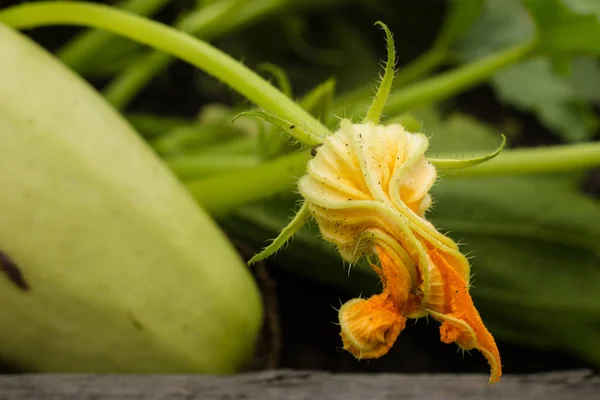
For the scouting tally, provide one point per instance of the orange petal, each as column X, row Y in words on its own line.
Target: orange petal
column 461, row 322
column 370, row 326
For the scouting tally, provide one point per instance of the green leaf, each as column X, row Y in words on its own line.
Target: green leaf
column 585, row 78
column 458, row 134
column 461, row 16
column 531, row 83
column 534, row 86
column 566, row 26
column 541, row 86
column 501, row 24
column 584, row 7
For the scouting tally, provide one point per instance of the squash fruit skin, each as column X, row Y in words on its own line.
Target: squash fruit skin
column 126, row 273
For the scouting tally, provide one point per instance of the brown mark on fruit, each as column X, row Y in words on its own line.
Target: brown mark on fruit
column 12, row 271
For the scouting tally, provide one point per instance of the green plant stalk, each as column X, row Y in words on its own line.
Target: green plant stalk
column 77, row 52
column 535, row 160
column 196, row 166
column 221, row 194
column 152, row 126
column 448, row 84
column 209, row 22
column 170, row 40
column 214, row 20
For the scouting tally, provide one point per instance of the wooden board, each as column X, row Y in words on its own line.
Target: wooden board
column 298, row 385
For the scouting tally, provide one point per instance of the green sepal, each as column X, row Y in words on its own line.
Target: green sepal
column 286, row 234
column 450, row 163
column 383, row 92
column 295, row 131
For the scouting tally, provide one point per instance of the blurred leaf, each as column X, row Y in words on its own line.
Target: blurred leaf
column 461, row 16
column 584, row 7
column 573, row 122
column 585, row 78
column 501, row 24
column 567, row 25
column 532, row 83
column 534, row 86
column 543, row 86
column 458, row 134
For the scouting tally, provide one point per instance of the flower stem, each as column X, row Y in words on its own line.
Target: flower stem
column 169, row 40
column 208, row 23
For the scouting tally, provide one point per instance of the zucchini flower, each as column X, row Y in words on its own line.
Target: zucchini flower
column 367, row 187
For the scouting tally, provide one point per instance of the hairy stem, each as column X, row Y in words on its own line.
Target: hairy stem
column 207, row 23
column 78, row 51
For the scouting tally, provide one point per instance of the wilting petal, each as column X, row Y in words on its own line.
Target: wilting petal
column 370, row 326
column 461, row 322
column 368, row 189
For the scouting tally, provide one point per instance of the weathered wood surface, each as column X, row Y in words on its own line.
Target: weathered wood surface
column 288, row 385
